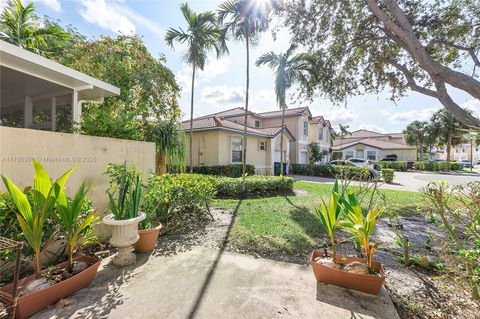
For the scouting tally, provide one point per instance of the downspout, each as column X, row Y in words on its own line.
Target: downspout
column 79, row 105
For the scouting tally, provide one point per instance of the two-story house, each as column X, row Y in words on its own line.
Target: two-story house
column 217, row 137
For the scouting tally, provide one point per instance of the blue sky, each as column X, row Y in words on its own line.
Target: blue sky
column 221, row 84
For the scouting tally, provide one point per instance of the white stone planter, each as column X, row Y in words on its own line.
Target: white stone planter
column 124, row 235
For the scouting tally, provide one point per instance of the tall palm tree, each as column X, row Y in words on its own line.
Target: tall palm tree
column 202, row 35
column 288, row 69
column 244, row 20
column 449, row 129
column 20, row 26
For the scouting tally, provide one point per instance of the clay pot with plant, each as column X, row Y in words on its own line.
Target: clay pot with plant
column 46, row 287
column 149, row 230
column 125, row 194
column 360, row 274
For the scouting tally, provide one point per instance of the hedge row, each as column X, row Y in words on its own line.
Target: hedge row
column 233, row 170
column 255, row 186
column 437, row 166
column 352, row 172
column 399, row 166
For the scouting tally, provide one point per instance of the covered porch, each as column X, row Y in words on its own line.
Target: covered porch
column 38, row 93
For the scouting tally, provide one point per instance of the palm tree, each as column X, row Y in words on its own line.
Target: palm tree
column 201, row 36
column 20, row 26
column 170, row 144
column 449, row 129
column 288, row 69
column 416, row 135
column 244, row 20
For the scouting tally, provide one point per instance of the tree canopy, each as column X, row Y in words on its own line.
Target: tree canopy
column 363, row 47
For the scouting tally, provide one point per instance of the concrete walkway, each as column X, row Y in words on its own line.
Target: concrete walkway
column 208, row 283
column 408, row 181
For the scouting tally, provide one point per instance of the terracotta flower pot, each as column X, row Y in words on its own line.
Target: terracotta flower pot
column 148, row 240
column 30, row 304
column 366, row 283
column 124, row 235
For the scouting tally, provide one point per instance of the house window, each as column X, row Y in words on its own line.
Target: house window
column 257, row 124
column 348, row 154
column 237, row 150
column 262, row 145
column 372, row 155
column 320, row 132
column 305, row 128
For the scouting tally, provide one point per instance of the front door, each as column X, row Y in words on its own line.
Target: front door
column 360, row 153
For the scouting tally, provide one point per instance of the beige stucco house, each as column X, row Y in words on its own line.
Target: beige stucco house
column 217, row 138
column 374, row 146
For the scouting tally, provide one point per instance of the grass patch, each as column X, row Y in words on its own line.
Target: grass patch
column 288, row 224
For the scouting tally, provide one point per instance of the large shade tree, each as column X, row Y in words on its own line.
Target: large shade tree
column 243, row 21
column 288, row 68
column 20, row 25
column 201, row 35
column 363, row 46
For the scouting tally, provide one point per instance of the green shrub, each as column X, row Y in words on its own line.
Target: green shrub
column 399, row 166
column 437, row 166
column 233, row 170
column 255, row 186
column 172, row 195
column 353, row 172
column 388, row 175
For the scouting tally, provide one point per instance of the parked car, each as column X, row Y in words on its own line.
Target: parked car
column 466, row 163
column 358, row 161
column 389, row 159
column 478, row 162
column 336, row 162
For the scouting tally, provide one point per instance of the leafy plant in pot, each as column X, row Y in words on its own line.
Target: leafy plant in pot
column 350, row 272
column 125, row 194
column 46, row 287
column 149, row 230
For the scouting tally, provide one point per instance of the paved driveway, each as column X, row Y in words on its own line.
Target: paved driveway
column 209, row 283
column 411, row 181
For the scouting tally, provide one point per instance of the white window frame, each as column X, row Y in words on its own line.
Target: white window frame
column 255, row 124
column 320, row 132
column 260, row 143
column 232, row 149
column 345, row 156
column 305, row 128
column 366, row 155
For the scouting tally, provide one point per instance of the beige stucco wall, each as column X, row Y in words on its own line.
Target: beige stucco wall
column 214, row 148
column 57, row 152
column 402, row 155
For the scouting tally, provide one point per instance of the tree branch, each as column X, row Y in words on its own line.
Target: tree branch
column 412, row 84
column 470, row 50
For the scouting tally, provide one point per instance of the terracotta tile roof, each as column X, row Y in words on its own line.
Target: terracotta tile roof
column 365, row 134
column 373, row 143
column 288, row 112
column 213, row 122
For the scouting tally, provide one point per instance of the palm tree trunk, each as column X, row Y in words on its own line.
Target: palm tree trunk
column 422, row 158
column 281, row 141
column 191, row 120
column 449, row 145
column 244, row 155
column 161, row 163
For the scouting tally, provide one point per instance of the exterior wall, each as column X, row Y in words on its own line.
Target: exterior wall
column 58, row 152
column 215, row 148
column 402, row 154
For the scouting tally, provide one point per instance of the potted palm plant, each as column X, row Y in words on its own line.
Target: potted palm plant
column 46, row 287
column 124, row 195
column 356, row 273
column 149, row 230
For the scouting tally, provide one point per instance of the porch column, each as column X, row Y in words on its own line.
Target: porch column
column 53, row 114
column 76, row 111
column 28, row 112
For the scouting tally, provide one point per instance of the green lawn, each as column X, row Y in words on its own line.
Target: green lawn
column 289, row 224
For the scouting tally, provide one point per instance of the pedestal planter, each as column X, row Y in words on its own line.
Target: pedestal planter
column 366, row 283
column 124, row 235
column 148, row 240
column 34, row 302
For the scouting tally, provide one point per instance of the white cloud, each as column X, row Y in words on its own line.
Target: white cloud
column 340, row 116
column 213, row 68
column 106, row 16
column 372, row 127
column 224, row 95
column 410, row 116
column 54, row 5
column 473, row 105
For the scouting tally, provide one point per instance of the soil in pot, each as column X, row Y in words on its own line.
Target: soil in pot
column 348, row 272
column 148, row 240
column 36, row 294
